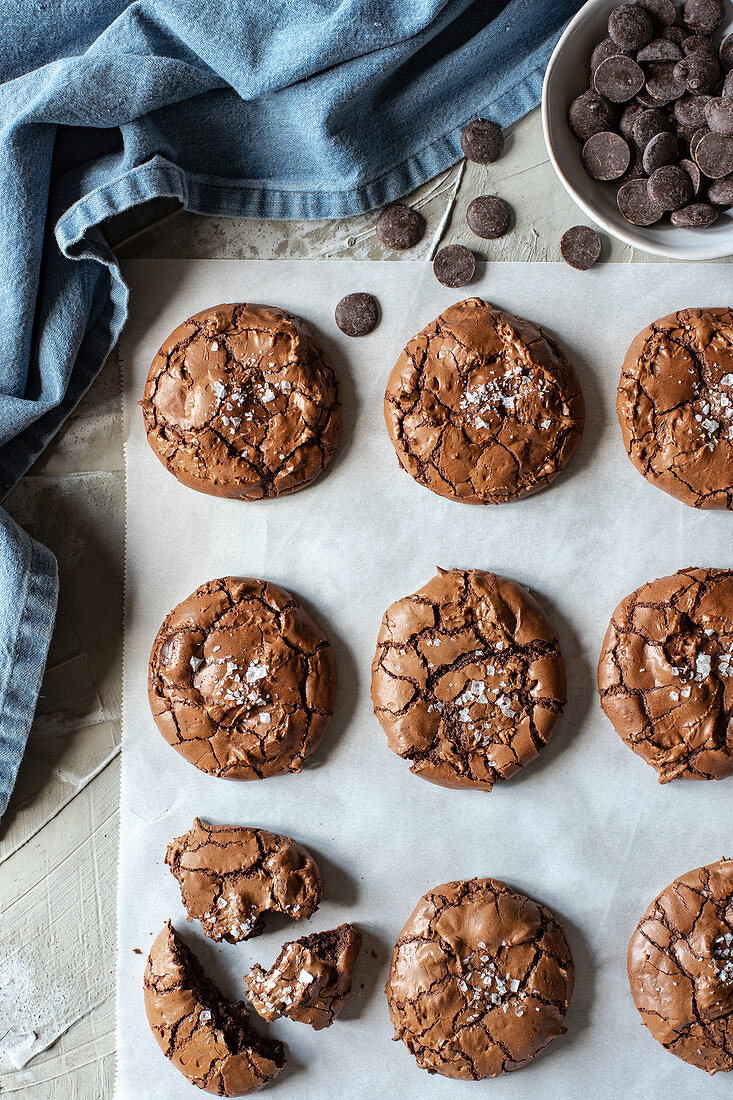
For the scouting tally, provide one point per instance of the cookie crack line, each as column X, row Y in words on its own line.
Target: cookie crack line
column 491, row 986
column 675, row 405
column 680, row 966
column 242, row 681
column 665, row 674
column 240, row 401
column 468, row 681
column 483, row 407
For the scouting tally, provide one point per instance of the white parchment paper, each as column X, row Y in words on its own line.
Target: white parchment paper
column 585, row 829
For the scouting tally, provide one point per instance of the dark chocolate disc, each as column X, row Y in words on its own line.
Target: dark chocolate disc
column 670, row 187
column 662, row 149
column 357, row 314
column 696, row 216
column 636, row 205
column 630, row 26
column 482, row 141
column 719, row 115
column 714, row 155
column 606, row 156
column 580, row 247
column 400, row 226
column 454, row 265
column 590, row 114
column 489, row 217
column 618, row 78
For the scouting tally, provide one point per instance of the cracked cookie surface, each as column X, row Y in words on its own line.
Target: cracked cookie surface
column 665, row 674
column 241, row 402
column 310, row 980
column 242, row 681
column 680, row 965
column 483, row 406
column 480, row 980
column 468, row 681
column 231, row 876
column 675, row 405
column 208, row 1038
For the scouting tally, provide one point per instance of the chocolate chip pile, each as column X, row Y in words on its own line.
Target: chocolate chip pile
column 657, row 120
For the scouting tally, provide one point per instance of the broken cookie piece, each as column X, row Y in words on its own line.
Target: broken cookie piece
column 230, row 876
column 208, row 1038
column 311, row 979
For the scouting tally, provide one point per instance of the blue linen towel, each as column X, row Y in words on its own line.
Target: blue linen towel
column 284, row 109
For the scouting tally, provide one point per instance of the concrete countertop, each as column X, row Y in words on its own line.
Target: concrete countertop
column 59, row 839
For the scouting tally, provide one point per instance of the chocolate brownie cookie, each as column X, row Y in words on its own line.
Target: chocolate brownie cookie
column 207, row 1038
column 242, row 681
column 665, row 675
column 480, row 980
column 311, row 979
column 680, row 966
column 675, row 405
column 231, row 876
column 483, row 406
column 241, row 402
column 467, row 681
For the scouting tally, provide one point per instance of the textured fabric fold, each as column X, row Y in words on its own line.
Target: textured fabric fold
column 291, row 109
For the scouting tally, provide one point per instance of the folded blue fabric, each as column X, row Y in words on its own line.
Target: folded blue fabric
column 285, row 109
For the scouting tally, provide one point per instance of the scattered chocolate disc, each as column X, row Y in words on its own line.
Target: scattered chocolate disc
column 630, row 26
column 696, row 216
column 689, row 110
column 648, row 124
column 661, row 82
column 357, row 314
column 719, row 115
column 618, row 78
column 482, row 141
column 454, row 265
column 636, row 205
column 663, row 12
column 662, row 149
column 489, row 217
column 725, row 53
column 669, row 187
column 590, row 114
column 606, row 156
column 693, row 172
column 660, row 49
column 605, row 49
column 703, row 16
column 721, row 191
column 728, row 85
column 580, row 247
column 400, row 226
column 714, row 155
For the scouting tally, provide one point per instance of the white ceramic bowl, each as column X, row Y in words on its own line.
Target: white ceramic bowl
column 567, row 76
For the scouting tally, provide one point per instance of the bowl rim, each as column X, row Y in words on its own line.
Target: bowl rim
column 631, row 237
